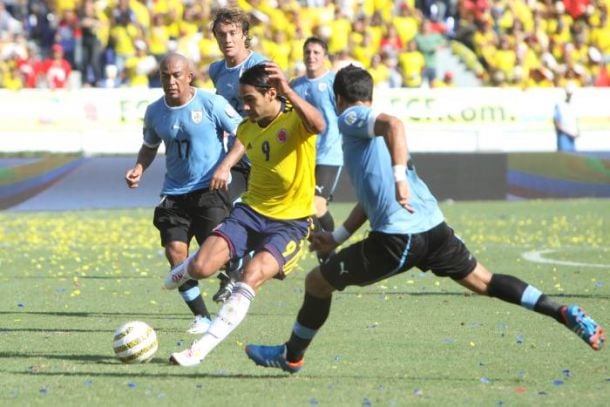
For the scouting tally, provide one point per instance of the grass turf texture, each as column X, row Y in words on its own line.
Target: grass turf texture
column 68, row 280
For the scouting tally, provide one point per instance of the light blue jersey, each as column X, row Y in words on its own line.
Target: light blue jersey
column 319, row 92
column 369, row 165
column 193, row 137
column 226, row 80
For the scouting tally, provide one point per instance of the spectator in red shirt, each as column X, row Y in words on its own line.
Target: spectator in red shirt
column 56, row 69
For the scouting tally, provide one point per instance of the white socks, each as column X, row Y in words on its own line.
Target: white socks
column 230, row 315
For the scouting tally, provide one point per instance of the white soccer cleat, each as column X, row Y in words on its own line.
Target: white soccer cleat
column 177, row 277
column 188, row 358
column 199, row 325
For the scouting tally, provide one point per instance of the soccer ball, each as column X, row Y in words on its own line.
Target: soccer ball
column 135, row 342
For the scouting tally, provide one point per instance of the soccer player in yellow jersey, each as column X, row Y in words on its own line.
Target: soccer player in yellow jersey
column 274, row 217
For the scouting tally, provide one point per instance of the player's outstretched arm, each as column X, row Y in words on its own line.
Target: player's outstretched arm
column 222, row 175
column 312, row 118
column 146, row 155
column 393, row 131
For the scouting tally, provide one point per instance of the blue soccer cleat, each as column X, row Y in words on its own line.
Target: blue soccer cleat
column 584, row 326
column 273, row 356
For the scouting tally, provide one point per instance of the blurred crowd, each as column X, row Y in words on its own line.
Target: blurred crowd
column 115, row 43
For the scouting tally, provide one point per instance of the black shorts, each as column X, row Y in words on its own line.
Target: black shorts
column 381, row 255
column 327, row 177
column 180, row 217
column 239, row 180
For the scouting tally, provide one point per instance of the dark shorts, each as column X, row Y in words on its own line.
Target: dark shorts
column 239, row 180
column 382, row 255
column 246, row 230
column 180, row 217
column 327, row 177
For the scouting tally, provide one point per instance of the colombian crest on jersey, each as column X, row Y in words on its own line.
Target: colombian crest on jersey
column 282, row 136
column 196, row 116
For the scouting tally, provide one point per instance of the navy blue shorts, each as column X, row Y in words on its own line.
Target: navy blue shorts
column 381, row 255
column 246, row 230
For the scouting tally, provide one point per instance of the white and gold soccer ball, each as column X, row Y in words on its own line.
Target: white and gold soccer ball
column 135, row 342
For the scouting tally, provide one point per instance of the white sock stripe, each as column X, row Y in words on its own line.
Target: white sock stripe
column 245, row 290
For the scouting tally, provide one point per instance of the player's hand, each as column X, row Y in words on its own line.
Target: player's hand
column 133, row 176
column 220, row 179
column 322, row 242
column 277, row 78
column 403, row 195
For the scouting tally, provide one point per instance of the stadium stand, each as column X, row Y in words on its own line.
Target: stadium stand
column 519, row 43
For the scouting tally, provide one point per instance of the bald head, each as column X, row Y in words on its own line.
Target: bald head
column 177, row 73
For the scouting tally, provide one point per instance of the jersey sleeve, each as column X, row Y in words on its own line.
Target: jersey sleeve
column 358, row 122
column 151, row 139
column 225, row 115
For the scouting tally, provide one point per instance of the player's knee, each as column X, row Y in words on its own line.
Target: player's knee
column 316, row 284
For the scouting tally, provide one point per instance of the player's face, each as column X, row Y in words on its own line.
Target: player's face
column 258, row 106
column 231, row 40
column 175, row 80
column 314, row 58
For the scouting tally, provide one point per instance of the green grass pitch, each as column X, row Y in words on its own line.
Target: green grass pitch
column 69, row 279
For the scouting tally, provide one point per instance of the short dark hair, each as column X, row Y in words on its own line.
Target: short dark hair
column 354, row 84
column 316, row 40
column 256, row 76
column 232, row 16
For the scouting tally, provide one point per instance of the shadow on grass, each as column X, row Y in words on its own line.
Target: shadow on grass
column 132, row 315
column 466, row 294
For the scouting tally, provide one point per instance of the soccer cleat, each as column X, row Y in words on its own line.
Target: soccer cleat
column 273, row 356
column 199, row 325
column 226, row 287
column 176, row 277
column 188, row 358
column 584, row 326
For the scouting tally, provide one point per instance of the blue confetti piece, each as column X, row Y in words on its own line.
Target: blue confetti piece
column 599, row 284
column 557, row 382
column 485, row 380
column 88, row 383
column 199, row 386
column 542, row 393
column 131, row 385
column 520, row 339
column 366, row 402
column 313, row 402
column 418, row 392
column 474, row 325
column 521, row 374
column 448, row 341
column 20, row 305
column 337, row 358
column 500, row 403
column 44, row 391
column 179, row 342
column 160, row 396
column 566, row 373
column 608, row 379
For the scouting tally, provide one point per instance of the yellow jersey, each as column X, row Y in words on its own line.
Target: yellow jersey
column 283, row 157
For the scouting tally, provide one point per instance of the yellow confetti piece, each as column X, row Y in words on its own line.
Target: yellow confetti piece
column 410, row 282
column 472, row 344
column 153, row 302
